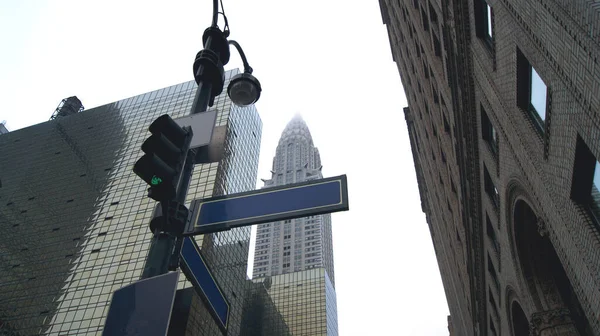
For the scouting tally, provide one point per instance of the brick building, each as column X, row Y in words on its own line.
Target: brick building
column 504, row 120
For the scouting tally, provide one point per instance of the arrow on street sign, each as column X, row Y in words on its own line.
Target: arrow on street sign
column 197, row 272
column 304, row 199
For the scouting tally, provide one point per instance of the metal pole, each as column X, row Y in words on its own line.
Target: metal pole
column 164, row 248
column 203, row 95
column 156, row 264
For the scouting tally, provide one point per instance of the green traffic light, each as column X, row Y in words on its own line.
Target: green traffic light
column 156, row 180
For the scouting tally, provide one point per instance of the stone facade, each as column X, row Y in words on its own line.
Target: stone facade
column 504, row 120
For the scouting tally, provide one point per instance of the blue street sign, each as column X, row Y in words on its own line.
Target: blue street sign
column 142, row 308
column 198, row 273
column 268, row 205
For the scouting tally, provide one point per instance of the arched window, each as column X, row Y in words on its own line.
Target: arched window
column 519, row 320
column 545, row 276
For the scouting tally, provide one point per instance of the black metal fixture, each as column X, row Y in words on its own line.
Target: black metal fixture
column 244, row 89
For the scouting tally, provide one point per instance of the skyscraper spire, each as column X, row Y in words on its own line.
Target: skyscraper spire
column 296, row 160
column 297, row 254
column 294, row 151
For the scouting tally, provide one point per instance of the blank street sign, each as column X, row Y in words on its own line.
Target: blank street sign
column 269, row 205
column 142, row 308
column 202, row 125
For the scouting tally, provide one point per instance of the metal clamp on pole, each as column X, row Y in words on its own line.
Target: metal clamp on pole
column 173, row 221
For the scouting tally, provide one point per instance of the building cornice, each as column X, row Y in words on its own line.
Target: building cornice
column 457, row 37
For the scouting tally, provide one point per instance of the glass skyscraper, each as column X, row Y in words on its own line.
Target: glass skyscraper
column 306, row 300
column 295, row 257
column 74, row 217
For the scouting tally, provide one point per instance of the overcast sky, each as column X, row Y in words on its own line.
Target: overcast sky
column 329, row 60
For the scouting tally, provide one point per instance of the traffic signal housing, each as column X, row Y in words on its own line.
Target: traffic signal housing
column 165, row 153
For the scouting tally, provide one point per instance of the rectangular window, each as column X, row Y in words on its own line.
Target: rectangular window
column 425, row 20
column 584, row 173
column 437, row 47
column 532, row 92
column 493, row 274
column 492, row 302
column 488, row 132
column 490, row 188
column 446, row 124
column 433, row 14
column 539, row 91
column 491, row 234
column 484, row 15
column 492, row 328
column 585, row 187
column 490, row 30
column 596, row 176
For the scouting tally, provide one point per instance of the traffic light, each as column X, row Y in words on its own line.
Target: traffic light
column 163, row 162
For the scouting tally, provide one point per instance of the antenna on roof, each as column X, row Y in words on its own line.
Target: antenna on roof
column 3, row 128
column 67, row 107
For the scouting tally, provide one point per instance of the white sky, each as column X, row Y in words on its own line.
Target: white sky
column 330, row 60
